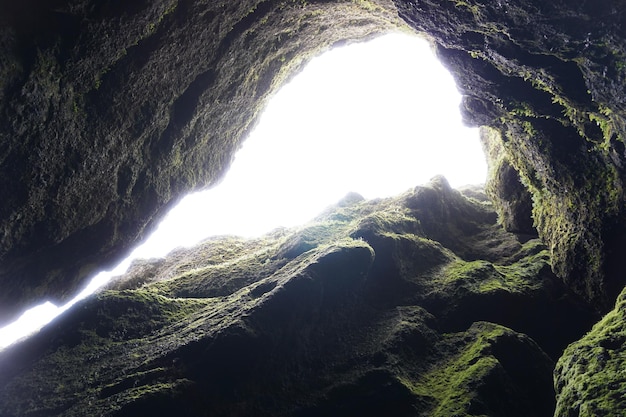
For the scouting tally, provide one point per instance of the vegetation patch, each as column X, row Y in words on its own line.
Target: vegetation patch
column 589, row 377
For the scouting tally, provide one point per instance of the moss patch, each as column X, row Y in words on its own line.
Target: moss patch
column 589, row 377
column 361, row 309
column 458, row 384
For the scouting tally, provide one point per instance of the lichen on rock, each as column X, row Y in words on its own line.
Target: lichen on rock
column 541, row 74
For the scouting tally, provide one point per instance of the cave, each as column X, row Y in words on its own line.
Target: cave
column 505, row 301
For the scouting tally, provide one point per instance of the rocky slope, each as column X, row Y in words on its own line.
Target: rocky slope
column 549, row 78
column 416, row 305
column 110, row 111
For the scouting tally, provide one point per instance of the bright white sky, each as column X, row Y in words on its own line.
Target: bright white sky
column 377, row 118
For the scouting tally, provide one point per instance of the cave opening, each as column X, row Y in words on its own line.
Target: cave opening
column 376, row 118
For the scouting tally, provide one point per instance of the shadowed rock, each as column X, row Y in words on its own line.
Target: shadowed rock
column 362, row 311
column 111, row 111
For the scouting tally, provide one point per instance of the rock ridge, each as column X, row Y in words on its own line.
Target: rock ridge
column 415, row 305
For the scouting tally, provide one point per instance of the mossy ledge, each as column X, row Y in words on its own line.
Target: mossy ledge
column 415, row 305
column 547, row 78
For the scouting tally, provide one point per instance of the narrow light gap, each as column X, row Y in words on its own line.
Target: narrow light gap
column 376, row 117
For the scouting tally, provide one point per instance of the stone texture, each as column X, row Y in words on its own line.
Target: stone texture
column 549, row 77
column 112, row 111
column 589, row 377
column 505, row 187
column 384, row 307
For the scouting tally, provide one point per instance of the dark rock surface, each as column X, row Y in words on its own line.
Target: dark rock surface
column 416, row 305
column 549, row 77
column 110, row 111
column 506, row 189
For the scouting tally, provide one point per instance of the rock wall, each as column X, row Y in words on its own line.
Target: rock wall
column 112, row 110
column 589, row 377
column 416, row 305
column 549, row 77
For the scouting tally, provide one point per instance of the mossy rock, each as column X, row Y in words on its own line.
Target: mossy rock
column 492, row 372
column 360, row 311
column 589, row 377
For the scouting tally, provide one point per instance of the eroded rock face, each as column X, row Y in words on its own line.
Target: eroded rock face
column 549, row 76
column 416, row 305
column 111, row 111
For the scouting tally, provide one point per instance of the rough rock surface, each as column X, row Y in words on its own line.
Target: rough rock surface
column 549, row 77
column 111, row 110
column 589, row 378
column 416, row 305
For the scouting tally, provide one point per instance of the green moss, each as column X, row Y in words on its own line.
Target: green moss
column 390, row 221
column 474, row 271
column 532, row 258
column 590, row 376
column 484, row 277
column 149, row 391
column 605, row 119
column 524, row 110
column 125, row 315
column 368, row 5
column 454, row 383
column 568, row 207
column 313, row 294
column 223, row 265
column 466, row 5
column 219, row 267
